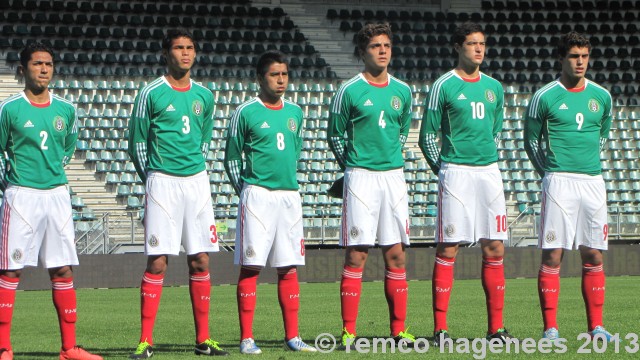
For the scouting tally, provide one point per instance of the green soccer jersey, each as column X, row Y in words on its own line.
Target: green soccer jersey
column 376, row 119
column 271, row 140
column 469, row 115
column 573, row 124
column 170, row 129
column 38, row 139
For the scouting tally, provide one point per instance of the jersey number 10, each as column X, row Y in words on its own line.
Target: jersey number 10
column 477, row 110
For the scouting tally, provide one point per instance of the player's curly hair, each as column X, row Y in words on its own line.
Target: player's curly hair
column 25, row 54
column 173, row 34
column 368, row 32
column 571, row 39
column 268, row 58
column 461, row 32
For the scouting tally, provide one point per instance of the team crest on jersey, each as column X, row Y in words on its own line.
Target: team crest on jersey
column 249, row 253
column 196, row 107
column 550, row 237
column 490, row 96
column 58, row 123
column 396, row 103
column 153, row 241
column 450, row 230
column 594, row 106
column 292, row 125
column 17, row 255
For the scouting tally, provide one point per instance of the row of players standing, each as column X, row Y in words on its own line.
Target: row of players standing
column 169, row 140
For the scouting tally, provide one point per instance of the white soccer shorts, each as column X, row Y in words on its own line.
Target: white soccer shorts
column 375, row 205
column 269, row 225
column 36, row 222
column 573, row 212
column 178, row 210
column 471, row 204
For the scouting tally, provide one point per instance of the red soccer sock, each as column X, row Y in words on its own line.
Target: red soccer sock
column 593, row 288
column 396, row 291
column 246, row 295
column 549, row 291
column 200, row 291
column 493, row 285
column 289, row 298
column 350, row 288
column 150, row 294
column 8, row 288
column 64, row 299
column 441, row 286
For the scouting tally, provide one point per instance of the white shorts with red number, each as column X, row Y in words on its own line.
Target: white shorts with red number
column 269, row 224
column 179, row 211
column 375, row 205
column 36, row 222
column 471, row 204
column 574, row 212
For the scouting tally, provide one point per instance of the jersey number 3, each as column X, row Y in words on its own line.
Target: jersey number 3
column 187, row 127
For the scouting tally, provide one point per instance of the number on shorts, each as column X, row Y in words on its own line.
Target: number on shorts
column 187, row 128
column 280, row 141
column 302, row 247
column 605, row 231
column 44, row 136
column 501, row 223
column 214, row 234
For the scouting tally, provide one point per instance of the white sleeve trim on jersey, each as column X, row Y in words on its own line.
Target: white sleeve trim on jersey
column 603, row 142
column 205, row 150
column 337, row 145
column 141, row 149
column 434, row 95
column 539, row 158
column 235, row 174
column 431, row 151
column 497, row 138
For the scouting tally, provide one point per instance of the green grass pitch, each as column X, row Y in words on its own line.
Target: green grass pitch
column 108, row 320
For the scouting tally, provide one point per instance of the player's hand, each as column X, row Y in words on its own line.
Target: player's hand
column 336, row 188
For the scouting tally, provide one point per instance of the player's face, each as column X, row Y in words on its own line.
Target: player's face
column 575, row 63
column 39, row 71
column 471, row 52
column 181, row 55
column 377, row 54
column 275, row 81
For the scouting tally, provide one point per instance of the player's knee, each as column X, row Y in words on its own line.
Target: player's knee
column 61, row 272
column 198, row 262
column 11, row 273
column 552, row 257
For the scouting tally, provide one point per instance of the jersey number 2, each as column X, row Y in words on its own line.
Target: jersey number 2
column 44, row 136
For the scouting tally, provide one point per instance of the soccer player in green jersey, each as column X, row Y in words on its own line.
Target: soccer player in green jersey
column 268, row 130
column 169, row 134
column 567, row 125
column 373, row 109
column 38, row 132
column 465, row 105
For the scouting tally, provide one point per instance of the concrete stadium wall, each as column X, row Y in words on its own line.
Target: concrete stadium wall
column 118, row 271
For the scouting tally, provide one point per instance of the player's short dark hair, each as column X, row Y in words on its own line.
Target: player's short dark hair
column 173, row 34
column 461, row 32
column 268, row 58
column 25, row 54
column 571, row 39
column 368, row 32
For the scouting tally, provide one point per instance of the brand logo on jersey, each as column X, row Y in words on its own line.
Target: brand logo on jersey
column 462, row 97
column 170, row 108
column 490, row 96
column 563, row 107
column 292, row 125
column 396, row 103
column 58, row 123
column 17, row 255
column 550, row 237
column 196, row 107
column 594, row 106
column 153, row 241
column 450, row 230
column 28, row 124
column 265, row 125
column 354, row 232
column 368, row 103
column 249, row 253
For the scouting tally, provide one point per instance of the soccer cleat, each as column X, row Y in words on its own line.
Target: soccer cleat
column 347, row 338
column 296, row 344
column 78, row 353
column 6, row 354
column 440, row 336
column 600, row 330
column 502, row 335
column 143, row 351
column 210, row 348
column 249, row 347
column 551, row 333
column 404, row 335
